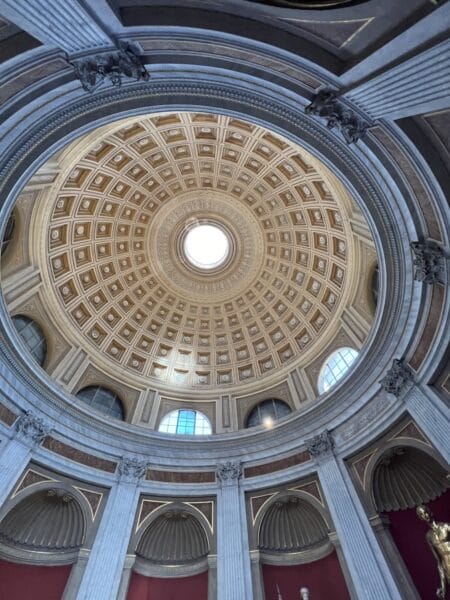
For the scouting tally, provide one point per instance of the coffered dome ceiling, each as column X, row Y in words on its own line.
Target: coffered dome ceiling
column 109, row 241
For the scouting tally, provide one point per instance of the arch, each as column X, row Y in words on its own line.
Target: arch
column 48, row 521
column 102, row 399
column 292, row 524
column 185, row 422
column 32, row 336
column 335, row 367
column 405, row 476
column 175, row 536
column 267, row 412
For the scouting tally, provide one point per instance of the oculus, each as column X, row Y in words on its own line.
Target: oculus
column 206, row 246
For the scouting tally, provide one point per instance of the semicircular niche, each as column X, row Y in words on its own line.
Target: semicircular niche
column 175, row 538
column 407, row 477
column 47, row 521
column 291, row 525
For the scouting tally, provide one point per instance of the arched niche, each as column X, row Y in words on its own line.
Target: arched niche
column 47, row 525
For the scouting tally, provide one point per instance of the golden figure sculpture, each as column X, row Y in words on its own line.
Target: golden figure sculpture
column 438, row 538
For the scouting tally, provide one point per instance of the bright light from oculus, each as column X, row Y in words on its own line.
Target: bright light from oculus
column 206, row 246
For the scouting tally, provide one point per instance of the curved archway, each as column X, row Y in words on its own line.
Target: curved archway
column 102, row 399
column 185, row 422
column 267, row 413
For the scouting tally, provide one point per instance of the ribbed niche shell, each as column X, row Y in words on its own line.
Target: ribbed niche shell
column 50, row 520
column 291, row 525
column 176, row 537
column 407, row 477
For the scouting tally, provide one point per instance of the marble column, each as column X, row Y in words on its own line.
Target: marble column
column 370, row 573
column 126, row 575
column 212, row 576
column 431, row 415
column 380, row 525
column 234, row 578
column 103, row 573
column 416, row 86
column 16, row 452
column 257, row 576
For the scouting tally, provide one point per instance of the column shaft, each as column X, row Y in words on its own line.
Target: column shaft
column 431, row 415
column 234, row 578
column 370, row 573
column 103, row 573
column 14, row 457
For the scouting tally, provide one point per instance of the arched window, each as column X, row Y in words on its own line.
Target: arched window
column 374, row 284
column 32, row 336
column 267, row 413
column 185, row 422
column 335, row 367
column 8, row 235
column 103, row 400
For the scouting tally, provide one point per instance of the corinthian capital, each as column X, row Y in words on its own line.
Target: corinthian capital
column 31, row 428
column 397, row 378
column 131, row 469
column 229, row 472
column 321, row 445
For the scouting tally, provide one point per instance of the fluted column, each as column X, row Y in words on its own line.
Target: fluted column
column 15, row 453
column 416, row 86
column 365, row 560
column 431, row 415
column 103, row 573
column 234, row 578
column 64, row 24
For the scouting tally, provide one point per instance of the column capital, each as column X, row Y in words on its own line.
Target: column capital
column 229, row 473
column 115, row 64
column 31, row 428
column 326, row 104
column 428, row 261
column 321, row 446
column 398, row 378
column 131, row 470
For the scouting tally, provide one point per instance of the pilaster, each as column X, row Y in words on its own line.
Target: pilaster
column 257, row 577
column 103, row 573
column 15, row 453
column 234, row 579
column 370, row 573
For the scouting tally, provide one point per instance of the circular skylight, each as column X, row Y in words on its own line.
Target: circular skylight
column 206, row 246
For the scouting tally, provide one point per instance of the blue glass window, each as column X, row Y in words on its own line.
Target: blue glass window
column 185, row 422
column 335, row 367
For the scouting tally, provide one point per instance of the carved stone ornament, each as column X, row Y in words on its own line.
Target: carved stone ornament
column 31, row 427
column 123, row 62
column 321, row 445
column 326, row 104
column 131, row 469
column 397, row 378
column 229, row 472
column 428, row 261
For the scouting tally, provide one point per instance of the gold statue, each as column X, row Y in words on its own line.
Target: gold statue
column 438, row 538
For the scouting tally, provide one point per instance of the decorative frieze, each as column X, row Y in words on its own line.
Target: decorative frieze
column 123, row 62
column 229, row 472
column 428, row 261
column 31, row 427
column 327, row 105
column 398, row 377
column 321, row 446
column 131, row 469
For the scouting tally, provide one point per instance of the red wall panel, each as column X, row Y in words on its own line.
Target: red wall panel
column 409, row 533
column 29, row 582
column 323, row 577
column 153, row 588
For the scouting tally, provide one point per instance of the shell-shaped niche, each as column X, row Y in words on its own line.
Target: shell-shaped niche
column 175, row 538
column 407, row 477
column 49, row 520
column 292, row 525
